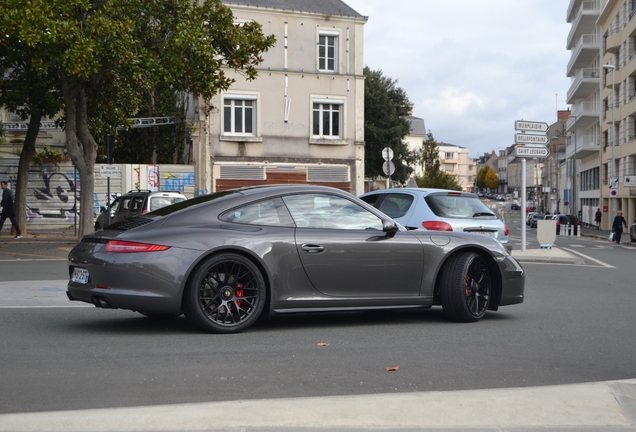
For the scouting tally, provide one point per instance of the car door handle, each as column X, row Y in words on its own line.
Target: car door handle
column 313, row 248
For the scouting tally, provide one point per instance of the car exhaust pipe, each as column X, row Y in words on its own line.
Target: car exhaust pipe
column 101, row 303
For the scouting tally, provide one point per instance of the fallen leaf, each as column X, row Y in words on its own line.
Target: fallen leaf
column 392, row 368
column 323, row 344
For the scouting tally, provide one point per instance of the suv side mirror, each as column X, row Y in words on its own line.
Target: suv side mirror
column 102, row 209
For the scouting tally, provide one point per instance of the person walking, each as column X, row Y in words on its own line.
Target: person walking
column 7, row 209
column 597, row 218
column 617, row 226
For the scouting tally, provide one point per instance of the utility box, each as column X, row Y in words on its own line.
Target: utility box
column 546, row 232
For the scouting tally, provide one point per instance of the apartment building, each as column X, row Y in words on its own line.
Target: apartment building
column 581, row 190
column 302, row 119
column 617, row 26
column 456, row 161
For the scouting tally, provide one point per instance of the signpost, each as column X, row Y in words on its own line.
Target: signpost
column 388, row 167
column 529, row 145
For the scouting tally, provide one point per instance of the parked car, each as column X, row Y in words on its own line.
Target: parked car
column 134, row 203
column 225, row 259
column 529, row 216
column 563, row 219
column 535, row 218
column 439, row 210
column 515, row 206
column 632, row 232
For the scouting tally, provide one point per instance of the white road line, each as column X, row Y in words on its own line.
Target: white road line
column 590, row 258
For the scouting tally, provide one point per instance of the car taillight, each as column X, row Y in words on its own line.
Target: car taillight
column 506, row 231
column 437, row 226
column 118, row 246
column 144, row 211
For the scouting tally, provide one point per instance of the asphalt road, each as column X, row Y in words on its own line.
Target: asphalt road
column 575, row 326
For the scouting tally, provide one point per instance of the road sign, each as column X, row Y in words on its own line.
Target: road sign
column 108, row 170
column 523, row 138
column 387, row 153
column 533, row 152
column 388, row 168
column 531, row 126
column 613, row 182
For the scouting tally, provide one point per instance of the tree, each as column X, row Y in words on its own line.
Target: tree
column 480, row 181
column 105, row 55
column 433, row 176
column 386, row 108
column 492, row 179
column 30, row 94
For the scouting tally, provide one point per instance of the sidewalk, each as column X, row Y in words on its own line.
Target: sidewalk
column 593, row 406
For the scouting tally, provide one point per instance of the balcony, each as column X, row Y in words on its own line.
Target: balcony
column 584, row 115
column 587, row 48
column 583, row 19
column 584, row 83
column 586, row 145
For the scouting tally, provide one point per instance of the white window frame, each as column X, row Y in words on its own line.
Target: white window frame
column 232, row 99
column 321, row 110
column 329, row 35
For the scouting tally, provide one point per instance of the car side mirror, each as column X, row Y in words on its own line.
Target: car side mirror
column 390, row 227
column 102, row 209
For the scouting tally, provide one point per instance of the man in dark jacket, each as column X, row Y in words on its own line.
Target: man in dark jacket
column 7, row 209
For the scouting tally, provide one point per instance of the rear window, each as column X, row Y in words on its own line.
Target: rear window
column 396, row 205
column 458, row 206
column 157, row 202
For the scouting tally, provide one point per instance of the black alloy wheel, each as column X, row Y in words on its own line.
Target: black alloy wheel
column 225, row 295
column 466, row 287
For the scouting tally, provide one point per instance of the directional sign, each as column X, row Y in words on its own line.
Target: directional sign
column 534, row 152
column 531, row 126
column 522, row 138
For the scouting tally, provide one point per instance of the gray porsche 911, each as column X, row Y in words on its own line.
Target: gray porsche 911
column 227, row 258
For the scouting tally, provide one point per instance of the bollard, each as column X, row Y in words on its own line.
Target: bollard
column 568, row 230
column 578, row 231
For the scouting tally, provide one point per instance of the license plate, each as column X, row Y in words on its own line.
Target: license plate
column 486, row 233
column 80, row 275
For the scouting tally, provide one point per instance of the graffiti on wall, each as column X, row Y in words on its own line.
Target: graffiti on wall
column 54, row 195
column 176, row 181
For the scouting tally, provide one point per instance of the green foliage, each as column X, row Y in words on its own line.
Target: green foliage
column 492, row 179
column 46, row 155
column 433, row 176
column 386, row 108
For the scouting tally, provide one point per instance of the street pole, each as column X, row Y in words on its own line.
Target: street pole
column 613, row 138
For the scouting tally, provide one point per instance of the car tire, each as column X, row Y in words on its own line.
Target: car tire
column 226, row 294
column 466, row 287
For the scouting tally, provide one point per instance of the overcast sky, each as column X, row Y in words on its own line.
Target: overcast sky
column 472, row 67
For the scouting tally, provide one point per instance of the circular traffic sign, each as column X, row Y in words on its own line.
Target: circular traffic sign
column 388, row 168
column 613, row 192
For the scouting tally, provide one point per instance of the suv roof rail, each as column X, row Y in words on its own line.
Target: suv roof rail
column 149, row 191
column 138, row 190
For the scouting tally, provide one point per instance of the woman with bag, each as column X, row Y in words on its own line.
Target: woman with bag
column 617, row 226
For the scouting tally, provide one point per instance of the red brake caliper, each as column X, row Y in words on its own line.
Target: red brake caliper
column 467, row 285
column 239, row 293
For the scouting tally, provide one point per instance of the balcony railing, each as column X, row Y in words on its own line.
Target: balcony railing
column 589, row 41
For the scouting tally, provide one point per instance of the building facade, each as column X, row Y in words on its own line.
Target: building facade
column 455, row 160
column 302, row 119
column 617, row 26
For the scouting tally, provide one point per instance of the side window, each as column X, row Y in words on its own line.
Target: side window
column 328, row 51
column 331, row 212
column 270, row 212
column 396, row 205
column 136, row 204
column 124, row 205
column 115, row 205
column 371, row 199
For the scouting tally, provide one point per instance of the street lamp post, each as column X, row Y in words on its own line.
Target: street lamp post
column 613, row 138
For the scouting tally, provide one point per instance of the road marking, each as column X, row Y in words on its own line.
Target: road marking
column 590, row 258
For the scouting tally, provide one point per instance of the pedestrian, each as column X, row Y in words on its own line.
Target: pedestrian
column 617, row 226
column 597, row 218
column 7, row 209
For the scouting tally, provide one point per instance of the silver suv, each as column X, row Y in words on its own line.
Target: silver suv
column 135, row 203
